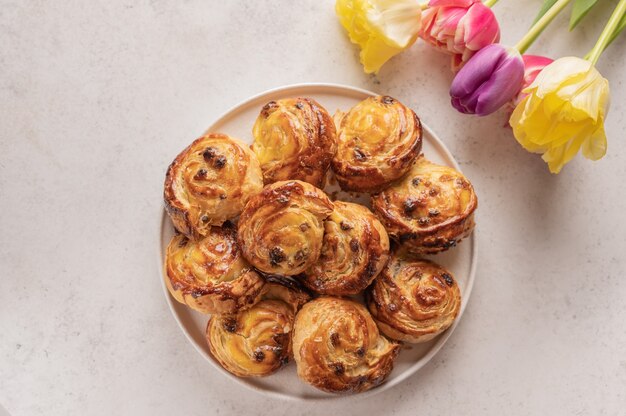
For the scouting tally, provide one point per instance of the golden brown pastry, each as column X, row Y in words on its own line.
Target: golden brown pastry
column 377, row 141
column 429, row 210
column 294, row 139
column 337, row 346
column 355, row 250
column 257, row 341
column 413, row 300
column 210, row 275
column 281, row 229
column 210, row 182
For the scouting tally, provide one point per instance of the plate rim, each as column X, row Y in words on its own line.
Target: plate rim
column 441, row 340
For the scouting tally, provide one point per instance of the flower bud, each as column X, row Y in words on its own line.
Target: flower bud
column 488, row 81
column 381, row 28
column 459, row 27
column 563, row 113
column 533, row 65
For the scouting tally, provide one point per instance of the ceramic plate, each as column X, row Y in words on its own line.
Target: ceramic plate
column 461, row 260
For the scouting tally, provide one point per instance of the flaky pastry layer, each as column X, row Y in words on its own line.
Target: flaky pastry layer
column 256, row 342
column 281, row 229
column 430, row 210
column 294, row 138
column 210, row 275
column 377, row 141
column 210, row 182
column 355, row 250
column 414, row 300
column 337, row 346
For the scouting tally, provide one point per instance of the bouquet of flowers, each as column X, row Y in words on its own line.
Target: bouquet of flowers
column 558, row 107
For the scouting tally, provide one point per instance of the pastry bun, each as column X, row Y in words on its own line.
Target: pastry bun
column 430, row 210
column 337, row 346
column 210, row 275
column 377, row 141
column 210, row 182
column 256, row 342
column 414, row 300
column 294, row 139
column 281, row 229
column 355, row 249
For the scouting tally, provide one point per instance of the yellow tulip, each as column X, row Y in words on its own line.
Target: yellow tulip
column 563, row 112
column 382, row 28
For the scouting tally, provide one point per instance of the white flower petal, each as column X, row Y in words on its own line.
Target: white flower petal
column 398, row 21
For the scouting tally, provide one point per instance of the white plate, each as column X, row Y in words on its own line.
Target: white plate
column 461, row 260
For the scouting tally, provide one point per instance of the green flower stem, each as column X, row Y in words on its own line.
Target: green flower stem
column 541, row 24
column 605, row 37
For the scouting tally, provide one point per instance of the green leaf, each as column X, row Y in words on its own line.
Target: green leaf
column 544, row 9
column 620, row 27
column 580, row 9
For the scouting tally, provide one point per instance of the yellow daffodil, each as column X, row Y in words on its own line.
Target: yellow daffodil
column 382, row 28
column 563, row 112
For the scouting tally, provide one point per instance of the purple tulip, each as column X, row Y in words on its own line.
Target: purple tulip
column 488, row 81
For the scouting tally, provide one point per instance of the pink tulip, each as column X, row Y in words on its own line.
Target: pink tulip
column 533, row 65
column 459, row 27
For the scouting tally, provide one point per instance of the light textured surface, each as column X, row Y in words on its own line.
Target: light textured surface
column 98, row 97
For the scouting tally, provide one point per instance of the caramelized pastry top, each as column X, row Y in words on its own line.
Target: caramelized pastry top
column 377, row 141
column 210, row 182
column 430, row 209
column 281, row 229
column 414, row 300
column 337, row 346
column 210, row 275
column 355, row 249
column 257, row 341
column 294, row 139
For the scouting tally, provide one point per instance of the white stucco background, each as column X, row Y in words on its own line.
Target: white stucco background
column 96, row 99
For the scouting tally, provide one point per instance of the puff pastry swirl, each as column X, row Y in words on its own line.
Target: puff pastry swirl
column 281, row 230
column 337, row 347
column 210, row 182
column 294, row 139
column 429, row 210
column 377, row 141
column 210, row 275
column 256, row 342
column 414, row 300
column 355, row 249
